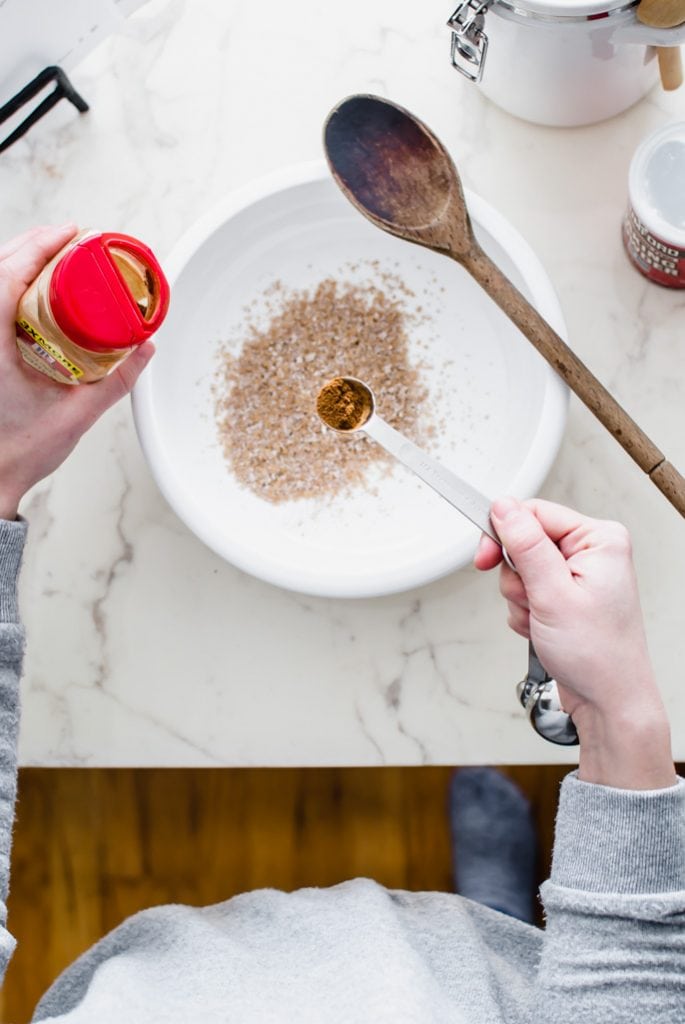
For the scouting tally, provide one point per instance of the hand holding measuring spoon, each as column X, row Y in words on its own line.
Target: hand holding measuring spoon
column 347, row 405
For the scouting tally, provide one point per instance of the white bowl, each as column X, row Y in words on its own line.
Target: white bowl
column 503, row 407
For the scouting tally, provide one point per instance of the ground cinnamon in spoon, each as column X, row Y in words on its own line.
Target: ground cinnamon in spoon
column 289, row 345
column 344, row 404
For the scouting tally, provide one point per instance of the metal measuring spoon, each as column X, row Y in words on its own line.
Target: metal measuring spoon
column 348, row 405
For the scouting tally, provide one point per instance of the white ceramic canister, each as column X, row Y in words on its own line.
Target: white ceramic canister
column 654, row 225
column 558, row 62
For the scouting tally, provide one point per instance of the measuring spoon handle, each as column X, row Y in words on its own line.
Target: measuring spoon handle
column 537, row 692
column 466, row 499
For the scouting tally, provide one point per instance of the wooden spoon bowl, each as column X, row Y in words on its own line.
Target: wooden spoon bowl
column 396, row 172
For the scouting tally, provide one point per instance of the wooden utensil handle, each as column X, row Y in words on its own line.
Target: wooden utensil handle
column 576, row 374
column 670, row 67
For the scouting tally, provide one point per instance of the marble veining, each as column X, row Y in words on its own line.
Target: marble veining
column 144, row 647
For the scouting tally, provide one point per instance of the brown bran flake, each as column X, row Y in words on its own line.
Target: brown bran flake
column 271, row 436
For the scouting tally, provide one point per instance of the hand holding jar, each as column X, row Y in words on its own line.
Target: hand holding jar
column 41, row 420
column 98, row 299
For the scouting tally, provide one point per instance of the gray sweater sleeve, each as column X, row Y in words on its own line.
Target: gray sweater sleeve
column 614, row 943
column 12, row 536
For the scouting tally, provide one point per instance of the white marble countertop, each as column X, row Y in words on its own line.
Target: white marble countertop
column 144, row 647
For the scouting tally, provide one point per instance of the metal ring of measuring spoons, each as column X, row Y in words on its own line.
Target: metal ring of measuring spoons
column 539, row 696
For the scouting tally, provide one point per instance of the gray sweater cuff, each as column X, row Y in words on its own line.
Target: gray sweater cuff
column 619, row 840
column 12, row 537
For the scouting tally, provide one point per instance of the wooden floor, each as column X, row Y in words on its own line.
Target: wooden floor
column 93, row 846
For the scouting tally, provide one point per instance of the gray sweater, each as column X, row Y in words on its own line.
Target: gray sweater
column 613, row 949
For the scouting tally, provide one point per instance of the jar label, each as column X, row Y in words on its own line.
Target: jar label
column 42, row 355
column 653, row 257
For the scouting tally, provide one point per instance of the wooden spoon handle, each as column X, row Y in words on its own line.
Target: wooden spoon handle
column 670, row 67
column 576, row 374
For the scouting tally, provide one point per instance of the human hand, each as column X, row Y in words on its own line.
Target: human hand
column 575, row 596
column 41, row 420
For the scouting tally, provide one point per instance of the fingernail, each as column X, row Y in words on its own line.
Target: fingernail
column 68, row 224
column 504, row 507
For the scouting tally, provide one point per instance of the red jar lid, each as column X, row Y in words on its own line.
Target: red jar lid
column 91, row 300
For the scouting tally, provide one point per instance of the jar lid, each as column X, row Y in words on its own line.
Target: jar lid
column 656, row 183
column 590, row 10
column 108, row 292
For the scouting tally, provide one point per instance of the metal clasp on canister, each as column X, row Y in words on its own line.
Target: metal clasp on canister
column 469, row 41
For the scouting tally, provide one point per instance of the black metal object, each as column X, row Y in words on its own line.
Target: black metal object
column 63, row 90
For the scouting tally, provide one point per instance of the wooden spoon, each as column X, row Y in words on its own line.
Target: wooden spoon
column 661, row 13
column 665, row 14
column 400, row 176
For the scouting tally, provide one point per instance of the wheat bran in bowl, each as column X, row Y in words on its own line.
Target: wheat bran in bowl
column 266, row 387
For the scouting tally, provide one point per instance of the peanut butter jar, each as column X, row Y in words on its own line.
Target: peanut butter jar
column 97, row 300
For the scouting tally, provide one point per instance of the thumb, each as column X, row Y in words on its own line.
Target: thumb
column 538, row 560
column 95, row 399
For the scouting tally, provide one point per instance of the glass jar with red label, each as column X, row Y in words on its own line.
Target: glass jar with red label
column 99, row 298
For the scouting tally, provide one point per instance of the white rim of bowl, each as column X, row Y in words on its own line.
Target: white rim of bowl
column 527, row 481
